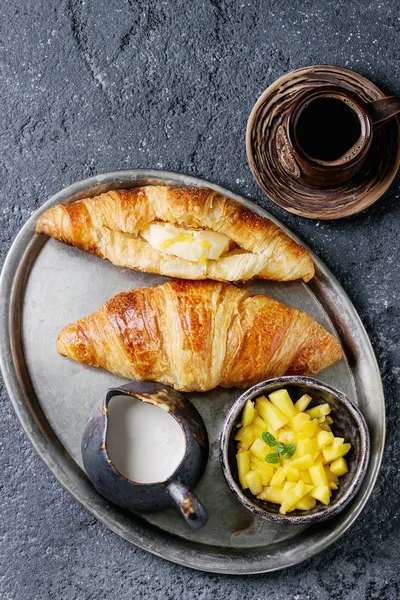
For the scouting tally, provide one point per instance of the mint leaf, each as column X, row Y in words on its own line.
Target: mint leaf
column 269, row 439
column 288, row 450
column 272, row 458
column 279, row 447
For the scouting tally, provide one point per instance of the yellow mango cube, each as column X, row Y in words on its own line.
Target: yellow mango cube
column 333, row 485
column 270, row 413
column 283, row 402
column 331, row 453
column 261, row 465
column 339, row 467
column 291, row 496
column 307, row 502
column 248, row 413
column 321, row 410
column 329, row 475
column 318, row 475
column 304, row 447
column 261, row 424
column 324, row 438
column 260, row 449
column 321, row 493
column 243, row 465
column 287, row 436
column 249, row 432
column 310, row 428
column 298, row 422
column 279, row 476
column 303, row 402
column 289, row 485
column 302, row 463
column 265, row 475
column 271, row 494
column 305, row 476
column 337, row 441
column 253, row 481
column 324, row 426
column 293, row 475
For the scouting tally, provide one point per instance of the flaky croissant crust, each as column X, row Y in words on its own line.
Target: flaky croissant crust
column 109, row 225
column 195, row 336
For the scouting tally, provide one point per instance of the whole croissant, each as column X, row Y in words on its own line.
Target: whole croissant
column 195, row 336
column 110, row 226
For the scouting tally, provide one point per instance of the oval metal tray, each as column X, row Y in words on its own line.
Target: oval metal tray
column 45, row 285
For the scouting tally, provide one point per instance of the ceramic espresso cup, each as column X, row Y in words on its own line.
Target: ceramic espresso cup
column 325, row 137
column 176, row 490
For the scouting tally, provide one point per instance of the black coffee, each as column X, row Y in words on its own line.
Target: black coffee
column 327, row 128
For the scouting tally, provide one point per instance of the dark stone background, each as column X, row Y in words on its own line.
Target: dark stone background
column 92, row 86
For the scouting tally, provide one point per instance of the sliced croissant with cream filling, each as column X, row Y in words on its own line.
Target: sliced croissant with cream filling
column 196, row 335
column 184, row 232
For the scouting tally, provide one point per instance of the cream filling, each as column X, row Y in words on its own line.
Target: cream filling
column 197, row 245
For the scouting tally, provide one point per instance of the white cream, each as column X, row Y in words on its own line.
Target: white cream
column 144, row 442
column 191, row 244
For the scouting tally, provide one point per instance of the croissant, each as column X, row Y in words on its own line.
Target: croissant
column 112, row 226
column 195, row 336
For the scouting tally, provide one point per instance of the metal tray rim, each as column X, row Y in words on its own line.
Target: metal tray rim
column 69, row 474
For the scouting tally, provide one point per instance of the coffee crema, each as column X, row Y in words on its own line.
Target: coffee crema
column 330, row 130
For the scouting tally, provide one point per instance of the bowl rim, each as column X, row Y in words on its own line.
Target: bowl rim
column 316, row 384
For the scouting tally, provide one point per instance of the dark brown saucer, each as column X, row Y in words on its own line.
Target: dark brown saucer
column 351, row 197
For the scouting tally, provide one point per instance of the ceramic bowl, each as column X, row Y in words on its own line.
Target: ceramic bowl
column 349, row 423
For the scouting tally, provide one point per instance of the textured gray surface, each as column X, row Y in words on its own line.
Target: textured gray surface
column 88, row 87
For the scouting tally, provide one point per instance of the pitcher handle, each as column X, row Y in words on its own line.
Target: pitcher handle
column 191, row 509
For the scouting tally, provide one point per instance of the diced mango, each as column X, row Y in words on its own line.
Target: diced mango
column 324, row 438
column 261, row 465
column 303, row 402
column 253, row 481
column 264, row 474
column 324, row 426
column 243, row 464
column 260, row 423
column 279, row 476
column 304, row 447
column 293, row 475
column 260, row 449
column 318, row 475
column 306, row 503
column 270, row 413
column 283, row 402
column 339, row 467
column 310, row 428
column 321, row 493
column 248, row 413
column 291, row 496
column 286, row 436
column 302, row 463
column 271, row 494
column 298, row 422
column 337, row 441
column 246, row 433
column 321, row 410
column 289, row 485
column 331, row 453
column 316, row 456
column 305, row 476
column 329, row 475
